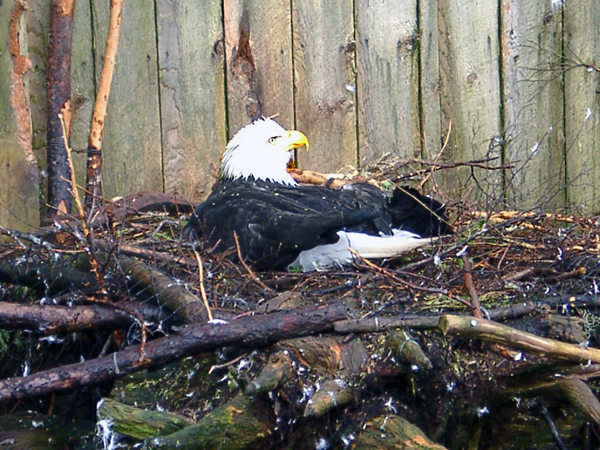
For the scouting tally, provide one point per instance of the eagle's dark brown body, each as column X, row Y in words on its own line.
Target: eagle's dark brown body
column 275, row 222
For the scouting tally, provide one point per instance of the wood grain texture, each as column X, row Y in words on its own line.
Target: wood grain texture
column 38, row 27
column 19, row 196
column 388, row 79
column 430, row 112
column 258, row 48
column 582, row 103
column 470, row 82
column 131, row 145
column 324, row 81
column 83, row 86
column 191, row 58
column 533, row 104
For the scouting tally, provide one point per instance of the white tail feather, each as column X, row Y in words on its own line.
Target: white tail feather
column 324, row 257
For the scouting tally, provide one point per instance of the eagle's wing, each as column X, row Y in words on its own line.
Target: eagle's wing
column 275, row 223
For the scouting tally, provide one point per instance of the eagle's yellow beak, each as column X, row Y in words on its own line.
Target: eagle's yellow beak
column 295, row 139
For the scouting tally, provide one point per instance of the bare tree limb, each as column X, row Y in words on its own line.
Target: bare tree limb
column 247, row 331
column 59, row 104
column 94, row 166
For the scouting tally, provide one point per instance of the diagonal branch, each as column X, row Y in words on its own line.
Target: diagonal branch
column 248, row 331
column 94, row 166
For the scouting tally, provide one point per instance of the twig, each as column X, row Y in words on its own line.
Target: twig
column 153, row 255
column 89, row 248
column 501, row 216
column 227, row 364
column 394, row 277
column 438, row 156
column 18, row 236
column 248, row 269
column 201, row 281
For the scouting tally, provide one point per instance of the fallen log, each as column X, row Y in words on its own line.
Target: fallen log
column 247, row 331
column 239, row 424
column 139, row 423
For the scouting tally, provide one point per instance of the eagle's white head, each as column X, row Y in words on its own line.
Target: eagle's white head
column 261, row 150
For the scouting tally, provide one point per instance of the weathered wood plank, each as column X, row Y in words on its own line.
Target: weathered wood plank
column 19, row 196
column 324, row 79
column 533, row 103
column 258, row 48
column 131, row 149
column 430, row 115
column 38, row 28
column 388, row 79
column 83, row 85
column 470, row 86
column 191, row 58
column 582, row 103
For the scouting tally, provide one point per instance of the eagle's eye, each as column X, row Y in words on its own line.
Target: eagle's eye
column 272, row 139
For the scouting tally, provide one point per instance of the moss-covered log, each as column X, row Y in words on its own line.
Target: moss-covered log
column 393, row 432
column 139, row 423
column 238, row 425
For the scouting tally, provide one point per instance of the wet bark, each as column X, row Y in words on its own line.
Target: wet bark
column 250, row 331
column 59, row 104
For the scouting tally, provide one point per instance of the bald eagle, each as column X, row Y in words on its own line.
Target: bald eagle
column 280, row 224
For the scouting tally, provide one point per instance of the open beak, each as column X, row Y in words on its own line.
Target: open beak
column 296, row 139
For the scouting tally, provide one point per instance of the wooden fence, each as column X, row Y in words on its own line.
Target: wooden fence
column 365, row 79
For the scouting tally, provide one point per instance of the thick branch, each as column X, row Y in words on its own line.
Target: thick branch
column 248, row 331
column 59, row 102
column 470, row 327
column 50, row 319
column 381, row 324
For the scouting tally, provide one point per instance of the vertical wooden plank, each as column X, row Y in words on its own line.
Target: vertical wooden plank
column 19, row 196
column 258, row 48
column 533, row 103
column 131, row 148
column 430, row 112
column 387, row 75
column 582, row 103
column 192, row 90
column 38, row 27
column 470, row 85
column 83, row 85
column 324, row 82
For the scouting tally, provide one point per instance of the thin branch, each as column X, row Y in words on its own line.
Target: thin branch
column 248, row 269
column 201, row 281
column 389, row 274
column 89, row 248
